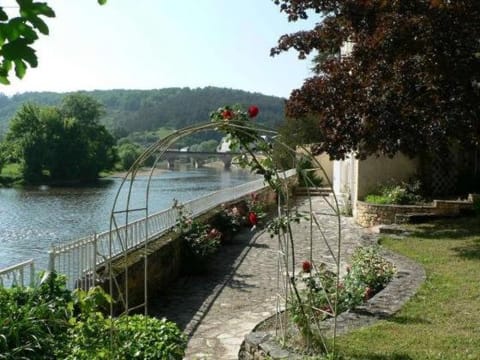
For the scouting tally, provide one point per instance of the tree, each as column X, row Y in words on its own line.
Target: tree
column 18, row 33
column 128, row 152
column 27, row 141
column 411, row 82
column 64, row 143
column 205, row 146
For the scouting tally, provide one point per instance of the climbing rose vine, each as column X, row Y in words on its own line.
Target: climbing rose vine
column 243, row 135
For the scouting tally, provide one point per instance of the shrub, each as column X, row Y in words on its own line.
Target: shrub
column 368, row 274
column 134, row 337
column 51, row 322
column 401, row 194
column 201, row 239
column 34, row 320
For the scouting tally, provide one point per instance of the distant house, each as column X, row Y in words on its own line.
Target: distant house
column 225, row 145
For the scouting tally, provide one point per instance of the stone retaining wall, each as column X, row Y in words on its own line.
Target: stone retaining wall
column 376, row 214
column 166, row 254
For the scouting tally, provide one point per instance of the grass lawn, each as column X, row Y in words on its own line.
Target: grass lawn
column 443, row 320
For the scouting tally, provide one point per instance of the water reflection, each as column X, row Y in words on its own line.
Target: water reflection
column 31, row 219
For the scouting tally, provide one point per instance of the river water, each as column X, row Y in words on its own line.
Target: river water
column 31, row 219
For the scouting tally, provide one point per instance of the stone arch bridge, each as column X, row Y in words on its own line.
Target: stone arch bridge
column 198, row 158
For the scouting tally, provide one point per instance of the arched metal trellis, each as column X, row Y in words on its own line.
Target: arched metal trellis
column 127, row 209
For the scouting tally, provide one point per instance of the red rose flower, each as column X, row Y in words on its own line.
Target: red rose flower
column 252, row 217
column 306, row 266
column 227, row 114
column 253, row 111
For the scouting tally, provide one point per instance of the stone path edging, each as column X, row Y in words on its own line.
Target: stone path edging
column 409, row 277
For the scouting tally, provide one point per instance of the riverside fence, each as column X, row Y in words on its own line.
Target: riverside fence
column 79, row 259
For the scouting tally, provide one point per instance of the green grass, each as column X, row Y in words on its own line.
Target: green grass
column 443, row 320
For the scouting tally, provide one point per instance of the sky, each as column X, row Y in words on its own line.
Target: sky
column 152, row 44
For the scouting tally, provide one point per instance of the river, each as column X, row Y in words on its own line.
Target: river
column 31, row 219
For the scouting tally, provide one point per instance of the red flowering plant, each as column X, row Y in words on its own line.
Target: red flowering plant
column 228, row 221
column 243, row 130
column 368, row 274
column 201, row 239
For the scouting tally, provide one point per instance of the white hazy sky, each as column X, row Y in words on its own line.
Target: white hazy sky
column 147, row 44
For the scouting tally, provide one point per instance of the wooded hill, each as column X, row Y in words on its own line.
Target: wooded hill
column 128, row 111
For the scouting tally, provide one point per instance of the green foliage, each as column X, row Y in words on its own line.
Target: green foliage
column 34, row 321
column 50, row 322
column 201, row 239
column 134, row 337
column 229, row 220
column 61, row 143
column 294, row 132
column 128, row 111
column 128, row 153
column 368, row 271
column 18, row 33
column 141, row 337
column 205, row 146
column 406, row 85
column 406, row 193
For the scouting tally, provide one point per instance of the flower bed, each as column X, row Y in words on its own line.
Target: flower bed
column 261, row 343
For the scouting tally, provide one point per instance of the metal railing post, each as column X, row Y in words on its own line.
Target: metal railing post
column 94, row 275
column 32, row 274
column 51, row 260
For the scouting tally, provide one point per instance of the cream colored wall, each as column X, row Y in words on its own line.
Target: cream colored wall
column 375, row 171
column 327, row 165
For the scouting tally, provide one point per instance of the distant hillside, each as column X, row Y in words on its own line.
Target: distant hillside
column 128, row 111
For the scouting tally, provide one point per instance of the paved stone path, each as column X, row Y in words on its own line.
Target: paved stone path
column 217, row 310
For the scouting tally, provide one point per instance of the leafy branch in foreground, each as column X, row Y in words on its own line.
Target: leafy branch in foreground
column 19, row 32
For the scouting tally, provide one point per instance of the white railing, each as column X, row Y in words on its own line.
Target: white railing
column 79, row 259
column 22, row 275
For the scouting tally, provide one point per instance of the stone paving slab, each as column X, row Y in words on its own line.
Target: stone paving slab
column 217, row 310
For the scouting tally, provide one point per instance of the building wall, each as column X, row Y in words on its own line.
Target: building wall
column 327, row 166
column 375, row 171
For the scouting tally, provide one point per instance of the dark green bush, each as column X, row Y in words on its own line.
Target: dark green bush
column 51, row 322
column 133, row 337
